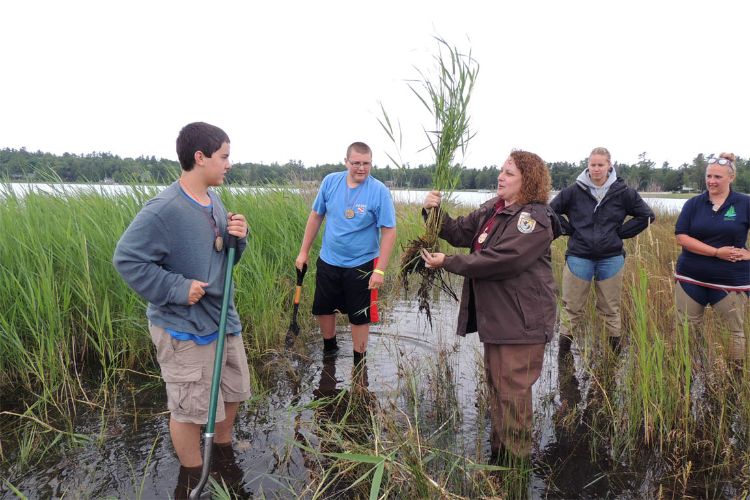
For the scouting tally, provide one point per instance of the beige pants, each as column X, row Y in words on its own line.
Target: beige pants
column 730, row 310
column 510, row 371
column 575, row 293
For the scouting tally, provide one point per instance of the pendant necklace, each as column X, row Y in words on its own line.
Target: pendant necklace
column 349, row 212
column 485, row 232
column 218, row 240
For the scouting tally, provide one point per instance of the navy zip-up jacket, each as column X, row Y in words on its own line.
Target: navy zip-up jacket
column 596, row 232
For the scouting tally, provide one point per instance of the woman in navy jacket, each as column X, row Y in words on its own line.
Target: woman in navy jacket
column 592, row 212
column 714, row 266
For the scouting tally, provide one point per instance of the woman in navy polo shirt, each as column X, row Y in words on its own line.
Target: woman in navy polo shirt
column 714, row 266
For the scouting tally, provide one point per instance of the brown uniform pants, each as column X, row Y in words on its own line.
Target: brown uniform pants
column 510, row 371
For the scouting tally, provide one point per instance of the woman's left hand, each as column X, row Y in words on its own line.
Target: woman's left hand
column 432, row 260
column 740, row 254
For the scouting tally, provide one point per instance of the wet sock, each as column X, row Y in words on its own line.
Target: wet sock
column 330, row 345
column 225, row 465
column 223, row 452
column 187, row 479
column 359, row 357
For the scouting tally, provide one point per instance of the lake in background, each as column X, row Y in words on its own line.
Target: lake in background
column 468, row 198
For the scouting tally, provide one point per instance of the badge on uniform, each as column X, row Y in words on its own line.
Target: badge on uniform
column 526, row 223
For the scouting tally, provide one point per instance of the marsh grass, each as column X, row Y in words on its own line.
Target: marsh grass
column 409, row 444
column 671, row 395
column 71, row 334
column 71, row 330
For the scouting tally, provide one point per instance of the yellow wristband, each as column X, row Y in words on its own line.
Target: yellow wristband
column 378, row 271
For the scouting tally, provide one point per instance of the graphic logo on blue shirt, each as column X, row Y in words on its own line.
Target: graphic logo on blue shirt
column 730, row 214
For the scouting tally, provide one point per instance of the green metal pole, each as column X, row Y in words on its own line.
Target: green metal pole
column 216, row 379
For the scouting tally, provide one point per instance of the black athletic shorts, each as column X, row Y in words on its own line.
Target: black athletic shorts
column 344, row 290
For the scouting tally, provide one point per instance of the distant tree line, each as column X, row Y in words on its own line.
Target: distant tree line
column 23, row 166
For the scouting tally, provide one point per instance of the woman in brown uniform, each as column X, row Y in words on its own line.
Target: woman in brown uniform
column 509, row 291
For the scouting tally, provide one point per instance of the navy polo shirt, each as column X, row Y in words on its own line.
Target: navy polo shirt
column 726, row 227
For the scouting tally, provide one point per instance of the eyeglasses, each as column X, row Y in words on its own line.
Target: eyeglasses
column 358, row 164
column 720, row 161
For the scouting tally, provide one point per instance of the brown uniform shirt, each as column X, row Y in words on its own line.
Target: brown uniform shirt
column 508, row 292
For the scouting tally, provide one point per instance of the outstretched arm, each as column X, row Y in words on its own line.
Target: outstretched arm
column 314, row 220
column 387, row 241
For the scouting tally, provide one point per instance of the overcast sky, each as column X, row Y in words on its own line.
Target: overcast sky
column 301, row 80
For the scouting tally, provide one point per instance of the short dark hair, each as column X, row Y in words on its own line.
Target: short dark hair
column 359, row 147
column 198, row 136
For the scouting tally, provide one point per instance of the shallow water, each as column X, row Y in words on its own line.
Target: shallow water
column 131, row 455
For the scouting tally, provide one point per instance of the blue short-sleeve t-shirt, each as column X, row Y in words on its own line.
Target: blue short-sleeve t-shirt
column 352, row 241
column 726, row 227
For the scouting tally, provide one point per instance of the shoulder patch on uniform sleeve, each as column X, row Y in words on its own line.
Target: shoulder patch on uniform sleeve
column 541, row 213
column 526, row 223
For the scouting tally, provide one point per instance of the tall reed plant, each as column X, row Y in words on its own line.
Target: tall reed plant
column 445, row 94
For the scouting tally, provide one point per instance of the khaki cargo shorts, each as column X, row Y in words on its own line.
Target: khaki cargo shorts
column 187, row 369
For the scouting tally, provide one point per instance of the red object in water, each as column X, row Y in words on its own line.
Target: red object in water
column 374, row 316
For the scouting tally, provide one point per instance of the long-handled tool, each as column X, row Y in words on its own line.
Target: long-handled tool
column 216, row 380
column 293, row 326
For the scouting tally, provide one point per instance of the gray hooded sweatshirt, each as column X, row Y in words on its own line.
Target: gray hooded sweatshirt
column 599, row 192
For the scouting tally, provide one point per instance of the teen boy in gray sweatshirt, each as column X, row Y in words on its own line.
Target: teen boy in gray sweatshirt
column 173, row 255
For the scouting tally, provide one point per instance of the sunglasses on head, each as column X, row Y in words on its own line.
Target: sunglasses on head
column 720, row 161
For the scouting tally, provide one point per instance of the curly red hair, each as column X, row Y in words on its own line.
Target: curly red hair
column 537, row 182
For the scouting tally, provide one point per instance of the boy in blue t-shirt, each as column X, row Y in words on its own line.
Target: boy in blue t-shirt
column 357, row 244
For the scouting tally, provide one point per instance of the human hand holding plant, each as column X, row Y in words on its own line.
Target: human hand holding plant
column 432, row 260
column 432, row 200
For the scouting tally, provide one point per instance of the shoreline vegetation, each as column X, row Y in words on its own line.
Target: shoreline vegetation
column 645, row 194
column 72, row 336
column 20, row 165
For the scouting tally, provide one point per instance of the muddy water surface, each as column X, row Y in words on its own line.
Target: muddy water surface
column 131, row 456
